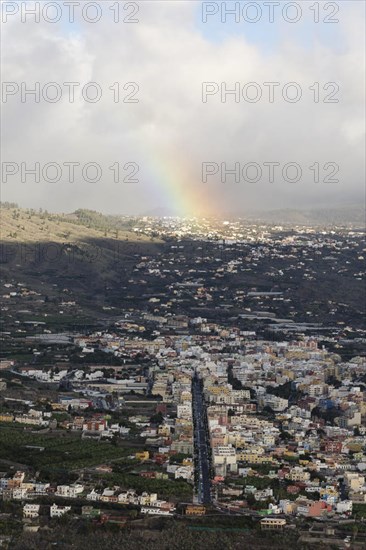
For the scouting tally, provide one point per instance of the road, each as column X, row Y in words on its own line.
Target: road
column 201, row 443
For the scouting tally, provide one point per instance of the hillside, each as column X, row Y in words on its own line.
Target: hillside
column 83, row 252
column 28, row 226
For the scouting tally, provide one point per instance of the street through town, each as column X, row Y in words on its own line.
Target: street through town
column 201, row 443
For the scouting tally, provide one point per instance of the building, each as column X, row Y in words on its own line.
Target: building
column 155, row 511
column 298, row 474
column 142, row 455
column 312, row 508
column 31, row 510
column 195, row 510
column 95, row 426
column 272, row 523
column 224, row 459
column 344, row 507
column 6, row 417
column 58, row 511
column 354, row 481
column 69, row 491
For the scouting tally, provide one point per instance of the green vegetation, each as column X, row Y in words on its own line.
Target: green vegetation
column 257, row 482
column 359, row 511
column 60, row 416
column 165, row 488
column 9, row 526
column 285, row 391
column 62, row 452
column 157, row 418
column 262, row 469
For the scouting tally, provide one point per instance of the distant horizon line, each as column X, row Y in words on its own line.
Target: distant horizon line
column 166, row 212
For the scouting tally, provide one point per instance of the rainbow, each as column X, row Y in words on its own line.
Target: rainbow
column 177, row 184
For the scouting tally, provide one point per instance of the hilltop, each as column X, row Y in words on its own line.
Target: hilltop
column 30, row 226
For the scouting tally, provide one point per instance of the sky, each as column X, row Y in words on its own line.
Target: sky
column 159, row 147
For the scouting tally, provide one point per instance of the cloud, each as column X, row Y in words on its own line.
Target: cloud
column 169, row 56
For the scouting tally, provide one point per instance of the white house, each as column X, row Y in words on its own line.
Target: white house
column 69, row 491
column 344, row 506
column 155, row 511
column 31, row 510
column 93, row 495
column 184, row 472
column 41, row 488
column 58, row 511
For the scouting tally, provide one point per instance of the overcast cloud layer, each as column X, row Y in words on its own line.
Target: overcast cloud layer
column 170, row 132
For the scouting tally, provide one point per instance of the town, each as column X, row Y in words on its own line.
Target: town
column 205, row 388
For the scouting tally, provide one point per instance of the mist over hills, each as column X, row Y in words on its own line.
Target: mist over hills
column 354, row 214
column 93, row 220
column 161, row 212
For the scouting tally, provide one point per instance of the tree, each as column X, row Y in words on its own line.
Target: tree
column 268, row 411
column 157, row 418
